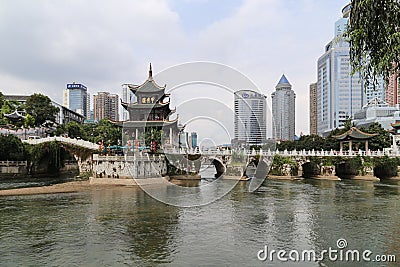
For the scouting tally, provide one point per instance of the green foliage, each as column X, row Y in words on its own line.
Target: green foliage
column 311, row 169
column 51, row 154
column 310, row 142
column 8, row 107
column 382, row 140
column 349, row 167
column 386, row 167
column 278, row 164
column 318, row 143
column 103, row 131
column 12, row 148
column 29, row 120
column 374, row 36
column 74, row 130
column 2, row 99
column 41, row 108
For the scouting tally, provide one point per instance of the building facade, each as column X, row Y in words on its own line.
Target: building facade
column 127, row 97
column 63, row 116
column 339, row 94
column 250, row 118
column 66, row 115
column 377, row 111
column 194, row 139
column 105, row 106
column 77, row 99
column 392, row 90
column 313, row 108
column 377, row 90
column 283, row 110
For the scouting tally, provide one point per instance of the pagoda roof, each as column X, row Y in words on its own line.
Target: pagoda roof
column 144, row 106
column 149, row 86
column 14, row 116
column 160, row 123
column 354, row 134
column 396, row 125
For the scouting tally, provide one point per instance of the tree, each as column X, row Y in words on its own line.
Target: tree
column 2, row 98
column 7, row 107
column 74, row 130
column 29, row 120
column 41, row 108
column 12, row 148
column 374, row 36
column 382, row 140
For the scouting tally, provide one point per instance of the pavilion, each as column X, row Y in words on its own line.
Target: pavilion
column 354, row 135
column 15, row 116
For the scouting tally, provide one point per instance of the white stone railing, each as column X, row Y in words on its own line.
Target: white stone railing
column 138, row 157
column 286, row 153
column 73, row 141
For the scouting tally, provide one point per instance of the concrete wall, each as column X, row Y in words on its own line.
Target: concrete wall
column 13, row 168
column 129, row 167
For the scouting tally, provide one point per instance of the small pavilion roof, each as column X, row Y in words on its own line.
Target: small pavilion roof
column 14, row 116
column 396, row 125
column 354, row 134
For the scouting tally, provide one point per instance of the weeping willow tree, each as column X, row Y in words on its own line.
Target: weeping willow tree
column 374, row 36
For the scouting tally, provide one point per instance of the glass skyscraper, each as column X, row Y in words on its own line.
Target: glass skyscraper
column 250, row 118
column 77, row 99
column 283, row 110
column 340, row 94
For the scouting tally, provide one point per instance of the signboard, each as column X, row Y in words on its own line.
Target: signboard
column 76, row 86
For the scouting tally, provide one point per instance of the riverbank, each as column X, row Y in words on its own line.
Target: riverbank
column 68, row 187
column 82, row 186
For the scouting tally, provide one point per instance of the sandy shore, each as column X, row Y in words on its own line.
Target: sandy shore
column 81, row 186
column 69, row 187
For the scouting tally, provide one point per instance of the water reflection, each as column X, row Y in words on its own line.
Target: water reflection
column 124, row 226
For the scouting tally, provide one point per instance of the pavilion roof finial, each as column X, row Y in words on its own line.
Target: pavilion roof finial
column 150, row 72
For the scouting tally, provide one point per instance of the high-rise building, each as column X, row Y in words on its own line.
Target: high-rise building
column 313, row 108
column 75, row 98
column 392, row 90
column 127, row 97
column 283, row 110
column 339, row 93
column 105, row 106
column 375, row 90
column 250, row 118
column 194, row 139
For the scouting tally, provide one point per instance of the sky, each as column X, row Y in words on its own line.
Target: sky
column 46, row 44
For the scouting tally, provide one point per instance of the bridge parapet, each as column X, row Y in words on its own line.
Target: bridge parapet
column 72, row 141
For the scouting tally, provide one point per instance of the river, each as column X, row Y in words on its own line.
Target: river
column 123, row 226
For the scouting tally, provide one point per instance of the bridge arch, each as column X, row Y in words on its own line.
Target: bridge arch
column 251, row 166
column 219, row 166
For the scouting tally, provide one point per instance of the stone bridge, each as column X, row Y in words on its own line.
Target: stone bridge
column 237, row 163
column 66, row 140
column 81, row 149
column 246, row 162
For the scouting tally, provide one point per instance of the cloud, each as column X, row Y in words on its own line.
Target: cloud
column 102, row 44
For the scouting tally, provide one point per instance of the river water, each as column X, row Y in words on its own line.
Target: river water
column 123, row 226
